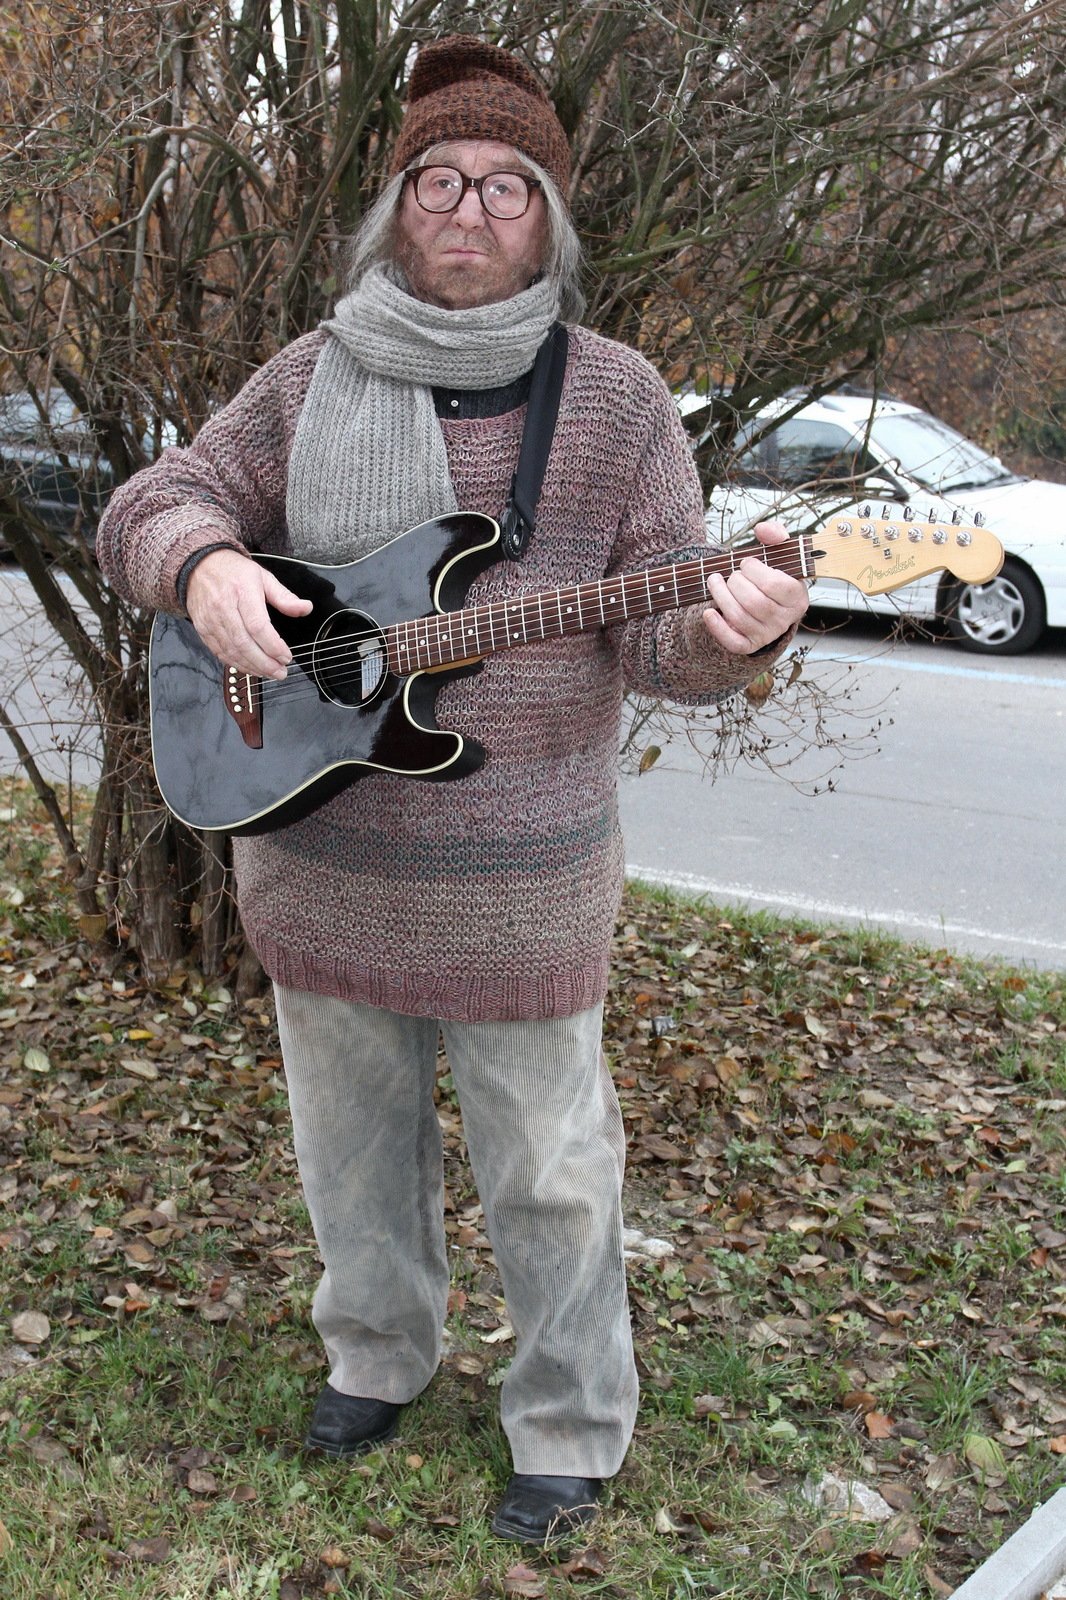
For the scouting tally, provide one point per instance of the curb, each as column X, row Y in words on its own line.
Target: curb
column 1028, row 1563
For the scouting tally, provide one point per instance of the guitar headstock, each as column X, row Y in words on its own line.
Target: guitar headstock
column 883, row 552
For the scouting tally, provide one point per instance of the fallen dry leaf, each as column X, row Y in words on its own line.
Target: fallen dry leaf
column 940, row 1589
column 984, row 1454
column 524, row 1583
column 30, row 1327
column 151, row 1551
column 878, row 1426
column 590, row 1563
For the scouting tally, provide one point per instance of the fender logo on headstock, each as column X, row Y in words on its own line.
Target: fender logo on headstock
column 863, row 550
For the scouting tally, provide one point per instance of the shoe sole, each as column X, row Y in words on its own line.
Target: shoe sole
column 342, row 1452
column 564, row 1526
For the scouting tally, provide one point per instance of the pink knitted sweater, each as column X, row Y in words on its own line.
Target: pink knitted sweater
column 493, row 896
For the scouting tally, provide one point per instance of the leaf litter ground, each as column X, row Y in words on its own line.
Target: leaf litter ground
column 846, row 1203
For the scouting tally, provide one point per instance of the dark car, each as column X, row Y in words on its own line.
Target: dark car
column 52, row 468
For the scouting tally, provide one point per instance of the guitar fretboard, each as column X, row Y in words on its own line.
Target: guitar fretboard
column 481, row 630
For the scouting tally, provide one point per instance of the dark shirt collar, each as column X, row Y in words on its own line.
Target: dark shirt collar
column 466, row 403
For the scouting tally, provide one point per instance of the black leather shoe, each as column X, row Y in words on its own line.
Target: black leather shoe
column 347, row 1424
column 540, row 1509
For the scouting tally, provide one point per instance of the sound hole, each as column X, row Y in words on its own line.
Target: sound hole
column 348, row 659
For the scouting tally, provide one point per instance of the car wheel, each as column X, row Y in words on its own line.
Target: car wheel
column 1005, row 616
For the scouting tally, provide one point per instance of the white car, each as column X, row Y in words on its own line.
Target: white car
column 847, row 451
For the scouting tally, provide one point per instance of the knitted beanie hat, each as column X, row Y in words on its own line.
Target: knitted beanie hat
column 462, row 88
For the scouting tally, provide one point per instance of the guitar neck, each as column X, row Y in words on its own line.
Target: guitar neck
column 455, row 636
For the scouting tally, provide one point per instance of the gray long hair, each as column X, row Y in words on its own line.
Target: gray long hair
column 372, row 241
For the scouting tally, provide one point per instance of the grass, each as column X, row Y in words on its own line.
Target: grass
column 854, row 1147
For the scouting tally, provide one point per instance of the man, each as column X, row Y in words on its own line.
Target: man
column 481, row 908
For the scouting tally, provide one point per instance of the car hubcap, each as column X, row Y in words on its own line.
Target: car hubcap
column 991, row 613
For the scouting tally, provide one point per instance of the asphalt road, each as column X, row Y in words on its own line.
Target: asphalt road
column 40, row 688
column 951, row 832
column 947, row 826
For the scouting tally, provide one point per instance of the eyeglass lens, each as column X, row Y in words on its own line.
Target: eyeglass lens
column 503, row 194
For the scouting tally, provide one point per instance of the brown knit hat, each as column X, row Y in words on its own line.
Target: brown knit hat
column 462, row 88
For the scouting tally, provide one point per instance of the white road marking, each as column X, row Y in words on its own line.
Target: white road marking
column 945, row 669
column 690, row 883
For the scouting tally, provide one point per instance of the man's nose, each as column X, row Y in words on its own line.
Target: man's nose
column 470, row 211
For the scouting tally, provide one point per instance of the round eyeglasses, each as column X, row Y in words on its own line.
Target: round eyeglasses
column 505, row 195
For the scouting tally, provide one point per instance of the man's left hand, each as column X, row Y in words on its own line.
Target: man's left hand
column 756, row 604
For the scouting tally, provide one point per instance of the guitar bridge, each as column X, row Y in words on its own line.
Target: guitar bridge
column 243, row 695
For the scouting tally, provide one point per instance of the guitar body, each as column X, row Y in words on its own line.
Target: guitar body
column 251, row 767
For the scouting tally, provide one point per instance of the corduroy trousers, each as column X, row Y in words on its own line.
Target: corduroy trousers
column 546, row 1144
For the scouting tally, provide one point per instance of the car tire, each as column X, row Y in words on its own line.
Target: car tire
column 1004, row 617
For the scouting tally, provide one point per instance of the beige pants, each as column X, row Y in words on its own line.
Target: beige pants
column 546, row 1144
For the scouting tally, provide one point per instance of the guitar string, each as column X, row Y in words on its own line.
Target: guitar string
column 494, row 616
column 785, row 558
column 689, row 591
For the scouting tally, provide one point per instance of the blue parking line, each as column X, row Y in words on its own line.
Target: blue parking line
column 945, row 670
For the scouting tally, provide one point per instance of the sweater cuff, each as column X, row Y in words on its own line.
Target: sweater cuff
column 193, row 560
column 703, row 647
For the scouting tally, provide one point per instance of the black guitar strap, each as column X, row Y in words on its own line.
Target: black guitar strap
column 546, row 385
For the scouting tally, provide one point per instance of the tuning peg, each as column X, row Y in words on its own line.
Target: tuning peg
column 956, row 517
column 908, row 513
column 865, row 512
column 887, row 513
column 933, row 515
column 978, row 519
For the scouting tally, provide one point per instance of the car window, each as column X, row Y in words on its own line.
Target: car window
column 932, row 453
column 799, row 452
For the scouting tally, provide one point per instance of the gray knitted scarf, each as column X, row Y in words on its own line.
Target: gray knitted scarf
column 368, row 458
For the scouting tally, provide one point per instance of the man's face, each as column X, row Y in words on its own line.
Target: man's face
column 464, row 257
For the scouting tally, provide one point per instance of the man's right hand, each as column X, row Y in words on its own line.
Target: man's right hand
column 227, row 598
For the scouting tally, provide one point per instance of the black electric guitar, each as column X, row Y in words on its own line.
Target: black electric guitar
column 248, row 754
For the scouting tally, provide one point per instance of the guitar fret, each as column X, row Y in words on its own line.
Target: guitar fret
column 433, row 640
